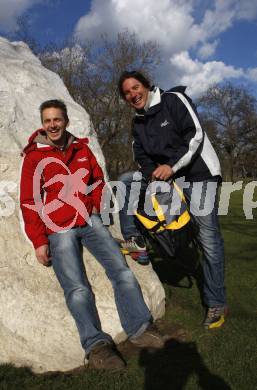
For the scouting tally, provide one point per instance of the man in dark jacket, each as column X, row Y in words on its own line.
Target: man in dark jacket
column 169, row 142
column 62, row 169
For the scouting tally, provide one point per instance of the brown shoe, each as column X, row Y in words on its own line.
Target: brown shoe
column 150, row 338
column 104, row 357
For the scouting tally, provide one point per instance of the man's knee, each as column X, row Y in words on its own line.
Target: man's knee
column 78, row 293
column 127, row 177
column 125, row 276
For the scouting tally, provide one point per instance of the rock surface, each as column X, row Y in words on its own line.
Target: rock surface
column 36, row 329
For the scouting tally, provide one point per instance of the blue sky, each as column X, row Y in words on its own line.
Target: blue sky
column 238, row 45
column 56, row 21
column 201, row 41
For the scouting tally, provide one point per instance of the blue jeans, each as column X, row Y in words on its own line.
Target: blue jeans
column 66, row 256
column 208, row 235
column 126, row 214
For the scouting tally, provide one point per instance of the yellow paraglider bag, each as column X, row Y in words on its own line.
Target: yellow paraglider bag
column 166, row 219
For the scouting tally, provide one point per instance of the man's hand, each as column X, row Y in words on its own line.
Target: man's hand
column 162, row 172
column 42, row 255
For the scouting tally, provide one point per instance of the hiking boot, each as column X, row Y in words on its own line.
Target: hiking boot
column 104, row 357
column 150, row 338
column 136, row 248
column 215, row 317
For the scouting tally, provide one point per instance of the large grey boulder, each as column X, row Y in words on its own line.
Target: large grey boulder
column 36, row 328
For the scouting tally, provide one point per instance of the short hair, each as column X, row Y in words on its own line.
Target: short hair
column 135, row 75
column 55, row 103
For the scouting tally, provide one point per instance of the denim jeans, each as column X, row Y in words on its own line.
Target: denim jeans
column 66, row 256
column 126, row 214
column 202, row 198
column 208, row 235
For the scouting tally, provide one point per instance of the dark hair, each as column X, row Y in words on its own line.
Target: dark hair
column 55, row 104
column 135, row 75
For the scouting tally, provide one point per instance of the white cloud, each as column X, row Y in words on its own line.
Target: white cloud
column 11, row 10
column 170, row 23
column 99, row 20
column 246, row 9
column 252, row 74
column 173, row 25
column 224, row 14
column 198, row 76
column 207, row 49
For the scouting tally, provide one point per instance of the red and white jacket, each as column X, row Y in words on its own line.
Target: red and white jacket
column 58, row 190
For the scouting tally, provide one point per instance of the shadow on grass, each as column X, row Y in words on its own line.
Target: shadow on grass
column 12, row 377
column 176, row 365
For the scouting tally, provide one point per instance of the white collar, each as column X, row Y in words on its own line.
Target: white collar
column 155, row 97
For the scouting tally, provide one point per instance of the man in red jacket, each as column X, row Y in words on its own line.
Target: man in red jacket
column 61, row 169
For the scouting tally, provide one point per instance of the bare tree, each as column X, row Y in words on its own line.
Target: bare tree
column 91, row 74
column 232, row 115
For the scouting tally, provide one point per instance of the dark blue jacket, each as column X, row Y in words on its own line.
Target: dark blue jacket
column 169, row 132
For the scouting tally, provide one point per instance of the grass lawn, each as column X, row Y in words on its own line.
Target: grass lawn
column 219, row 359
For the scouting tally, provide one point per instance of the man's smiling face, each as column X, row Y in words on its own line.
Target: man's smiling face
column 54, row 124
column 135, row 93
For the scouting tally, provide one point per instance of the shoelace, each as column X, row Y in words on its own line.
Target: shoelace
column 213, row 311
column 130, row 243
